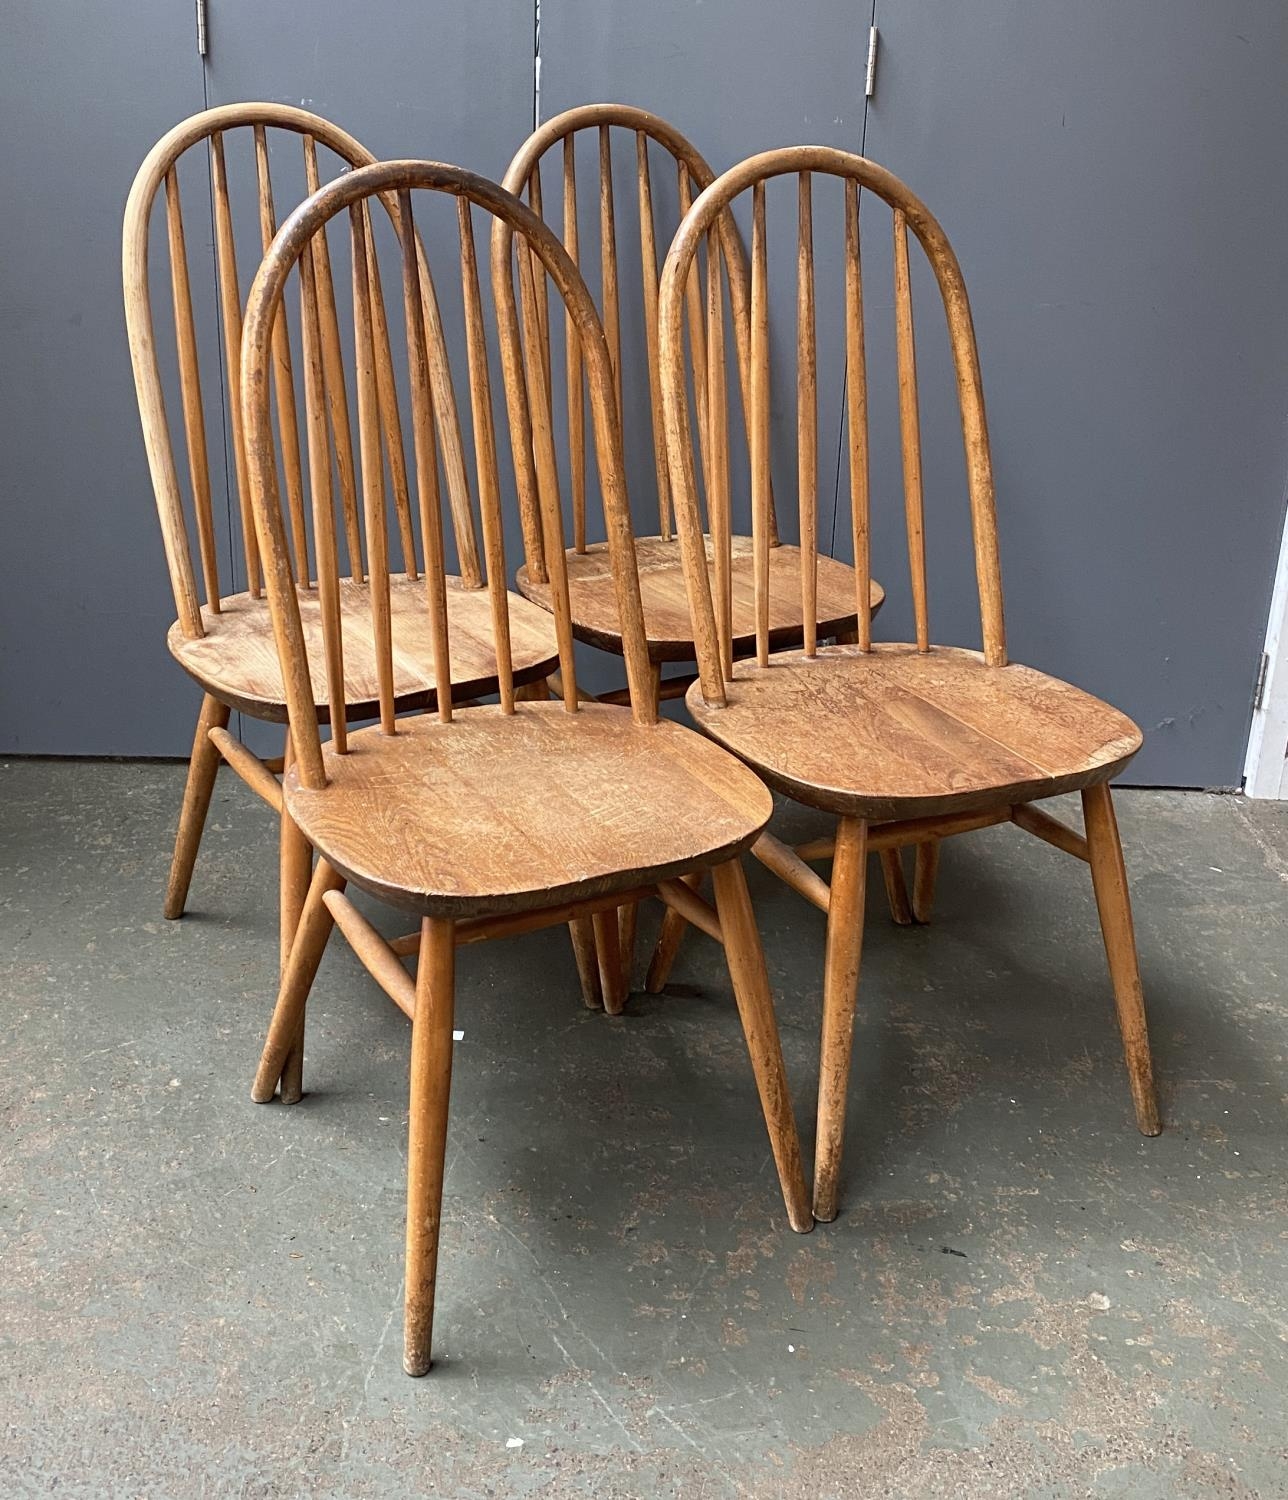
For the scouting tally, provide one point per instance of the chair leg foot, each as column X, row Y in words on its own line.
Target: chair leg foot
column 278, row 1062
column 627, row 925
column 669, row 938
column 896, row 887
column 582, row 932
column 609, row 948
column 840, row 993
column 431, row 1084
column 925, row 870
column 202, row 767
column 1109, row 879
column 746, row 961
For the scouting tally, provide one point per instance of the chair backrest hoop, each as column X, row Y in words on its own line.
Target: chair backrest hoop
column 352, row 192
column 524, row 175
column 908, row 210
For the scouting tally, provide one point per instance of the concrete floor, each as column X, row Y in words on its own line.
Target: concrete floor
column 1022, row 1296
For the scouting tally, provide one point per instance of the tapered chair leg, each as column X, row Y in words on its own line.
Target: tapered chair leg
column 925, row 870
column 611, row 976
column 628, row 917
column 746, row 960
column 295, row 870
column 202, row 766
column 896, row 886
column 283, row 1053
column 1109, row 878
column 840, row 991
column 669, row 937
column 431, row 1084
column 582, row 932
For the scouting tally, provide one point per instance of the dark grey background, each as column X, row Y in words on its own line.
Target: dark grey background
column 1112, row 175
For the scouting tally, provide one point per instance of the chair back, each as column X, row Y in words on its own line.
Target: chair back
column 606, row 123
column 701, row 226
column 298, row 251
column 265, row 129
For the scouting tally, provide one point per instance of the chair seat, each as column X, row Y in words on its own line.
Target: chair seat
column 492, row 814
column 666, row 603
column 236, row 659
column 896, row 733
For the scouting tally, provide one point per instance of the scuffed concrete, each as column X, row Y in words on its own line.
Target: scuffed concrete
column 1021, row 1297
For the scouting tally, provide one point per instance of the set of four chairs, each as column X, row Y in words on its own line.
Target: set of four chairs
column 379, row 588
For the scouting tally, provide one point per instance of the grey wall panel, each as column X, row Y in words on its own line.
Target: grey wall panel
column 1113, row 180
column 85, row 92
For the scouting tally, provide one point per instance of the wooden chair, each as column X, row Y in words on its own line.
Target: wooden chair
column 225, row 640
column 493, row 819
column 905, row 743
column 590, row 580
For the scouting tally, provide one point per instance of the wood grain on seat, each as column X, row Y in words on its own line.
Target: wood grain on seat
column 666, row 604
column 449, row 819
column 236, row 659
column 898, row 733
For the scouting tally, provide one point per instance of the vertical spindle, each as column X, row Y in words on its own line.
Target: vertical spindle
column 372, row 465
column 807, row 412
column 856, row 399
column 910, row 429
column 485, row 456
column 759, row 434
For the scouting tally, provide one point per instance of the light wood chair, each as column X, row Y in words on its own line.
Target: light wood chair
column 494, row 819
column 905, row 743
column 224, row 640
column 590, row 581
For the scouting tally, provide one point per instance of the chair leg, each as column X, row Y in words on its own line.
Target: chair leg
column 295, row 871
column 608, row 945
column 896, row 887
column 582, row 932
column 286, row 1029
column 431, row 1084
column 1109, row 879
column 627, row 925
column 840, row 991
column 202, row 766
column 746, row 960
column 668, row 945
column 924, row 872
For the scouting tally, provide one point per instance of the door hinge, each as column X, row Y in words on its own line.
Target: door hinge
column 201, row 27
column 870, row 81
column 1259, row 692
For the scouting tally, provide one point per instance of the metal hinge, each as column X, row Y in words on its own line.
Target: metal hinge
column 1259, row 692
column 201, row 27
column 870, row 82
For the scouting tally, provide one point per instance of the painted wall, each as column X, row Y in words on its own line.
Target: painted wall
column 1113, row 180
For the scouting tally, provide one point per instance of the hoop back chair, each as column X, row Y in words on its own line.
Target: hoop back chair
column 905, row 743
column 223, row 638
column 497, row 818
column 666, row 614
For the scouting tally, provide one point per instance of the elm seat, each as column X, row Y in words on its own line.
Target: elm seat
column 236, row 660
column 898, row 733
column 449, row 821
column 666, row 604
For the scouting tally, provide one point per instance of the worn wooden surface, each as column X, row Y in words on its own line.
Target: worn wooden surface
column 498, row 812
column 666, row 603
column 896, row 733
column 237, row 660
